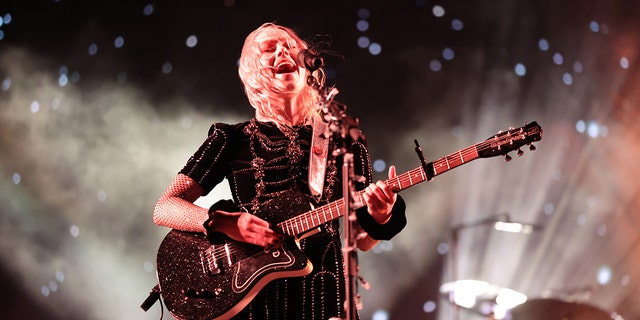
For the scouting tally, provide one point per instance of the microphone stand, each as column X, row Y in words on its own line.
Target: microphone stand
column 350, row 246
column 346, row 126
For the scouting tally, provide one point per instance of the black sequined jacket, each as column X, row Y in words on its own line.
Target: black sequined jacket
column 264, row 163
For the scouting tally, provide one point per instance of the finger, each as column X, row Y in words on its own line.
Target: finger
column 392, row 172
column 255, row 226
column 262, row 241
column 375, row 198
column 265, row 240
column 385, row 190
column 370, row 199
column 373, row 193
column 366, row 196
column 382, row 191
column 271, row 235
column 258, row 221
column 266, row 232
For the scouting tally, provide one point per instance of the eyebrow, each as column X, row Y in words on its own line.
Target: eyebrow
column 268, row 42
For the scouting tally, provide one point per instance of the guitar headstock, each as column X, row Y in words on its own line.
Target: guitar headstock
column 513, row 139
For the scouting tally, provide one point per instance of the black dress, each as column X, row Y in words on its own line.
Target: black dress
column 263, row 164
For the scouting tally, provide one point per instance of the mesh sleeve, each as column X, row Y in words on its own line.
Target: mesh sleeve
column 175, row 208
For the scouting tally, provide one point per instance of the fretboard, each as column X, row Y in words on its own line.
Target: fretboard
column 335, row 209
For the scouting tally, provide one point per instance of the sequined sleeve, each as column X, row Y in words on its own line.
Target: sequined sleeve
column 362, row 167
column 208, row 166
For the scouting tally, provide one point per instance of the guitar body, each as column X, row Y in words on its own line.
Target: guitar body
column 200, row 280
column 196, row 285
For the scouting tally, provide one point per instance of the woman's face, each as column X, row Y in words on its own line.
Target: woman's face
column 277, row 54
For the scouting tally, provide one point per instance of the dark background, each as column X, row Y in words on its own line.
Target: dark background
column 91, row 133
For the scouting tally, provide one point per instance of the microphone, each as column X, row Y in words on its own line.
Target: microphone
column 309, row 60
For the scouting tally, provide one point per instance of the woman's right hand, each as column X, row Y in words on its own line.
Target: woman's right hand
column 246, row 227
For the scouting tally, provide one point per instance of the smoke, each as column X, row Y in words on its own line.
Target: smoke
column 81, row 170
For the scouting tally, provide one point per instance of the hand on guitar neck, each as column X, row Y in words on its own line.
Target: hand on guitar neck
column 380, row 198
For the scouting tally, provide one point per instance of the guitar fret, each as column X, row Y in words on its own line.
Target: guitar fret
column 452, row 163
column 291, row 227
column 306, row 220
column 337, row 209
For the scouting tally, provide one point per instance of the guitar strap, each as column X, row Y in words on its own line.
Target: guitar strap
column 318, row 157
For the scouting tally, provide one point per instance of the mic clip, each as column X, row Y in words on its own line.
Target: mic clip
column 310, row 60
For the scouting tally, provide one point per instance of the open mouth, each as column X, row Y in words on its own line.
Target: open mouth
column 285, row 67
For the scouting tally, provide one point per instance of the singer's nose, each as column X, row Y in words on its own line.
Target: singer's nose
column 281, row 50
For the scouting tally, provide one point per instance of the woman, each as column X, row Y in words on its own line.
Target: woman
column 266, row 160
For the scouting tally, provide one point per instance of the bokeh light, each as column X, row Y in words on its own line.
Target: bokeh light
column 103, row 104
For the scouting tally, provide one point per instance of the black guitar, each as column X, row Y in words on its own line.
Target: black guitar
column 200, row 280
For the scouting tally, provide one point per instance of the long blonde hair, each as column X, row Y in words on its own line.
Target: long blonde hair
column 256, row 83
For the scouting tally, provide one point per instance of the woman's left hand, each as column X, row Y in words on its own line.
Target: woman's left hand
column 380, row 198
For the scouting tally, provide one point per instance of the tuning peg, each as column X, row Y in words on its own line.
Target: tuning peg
column 532, row 147
column 520, row 152
column 507, row 158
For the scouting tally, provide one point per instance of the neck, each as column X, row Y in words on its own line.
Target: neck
column 290, row 109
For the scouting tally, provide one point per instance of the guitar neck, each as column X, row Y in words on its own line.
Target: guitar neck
column 318, row 216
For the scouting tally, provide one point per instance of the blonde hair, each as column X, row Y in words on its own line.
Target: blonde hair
column 256, row 83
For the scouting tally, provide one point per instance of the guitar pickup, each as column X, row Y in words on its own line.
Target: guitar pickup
column 209, row 261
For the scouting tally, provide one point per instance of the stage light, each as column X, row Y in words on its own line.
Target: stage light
column 482, row 297
column 513, row 227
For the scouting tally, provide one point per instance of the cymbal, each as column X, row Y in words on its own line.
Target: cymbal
column 554, row 309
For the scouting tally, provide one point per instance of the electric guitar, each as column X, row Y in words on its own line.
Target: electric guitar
column 201, row 280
